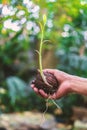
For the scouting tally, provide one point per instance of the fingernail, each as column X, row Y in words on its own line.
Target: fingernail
column 33, row 82
column 38, row 70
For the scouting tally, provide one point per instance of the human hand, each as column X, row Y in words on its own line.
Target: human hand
column 64, row 81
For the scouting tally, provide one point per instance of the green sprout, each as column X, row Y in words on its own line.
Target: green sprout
column 42, row 41
column 41, row 44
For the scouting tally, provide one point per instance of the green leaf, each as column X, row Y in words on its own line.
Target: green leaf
column 16, row 88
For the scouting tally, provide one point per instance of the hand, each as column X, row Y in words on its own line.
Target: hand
column 64, row 81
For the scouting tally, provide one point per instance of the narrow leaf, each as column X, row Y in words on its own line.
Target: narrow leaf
column 41, row 27
column 46, row 41
column 37, row 51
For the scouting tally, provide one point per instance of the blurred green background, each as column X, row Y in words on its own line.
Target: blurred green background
column 20, row 35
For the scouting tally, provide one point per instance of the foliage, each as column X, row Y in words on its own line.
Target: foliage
column 15, row 57
column 16, row 88
column 73, row 42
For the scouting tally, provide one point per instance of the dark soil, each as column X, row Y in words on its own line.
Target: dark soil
column 51, row 80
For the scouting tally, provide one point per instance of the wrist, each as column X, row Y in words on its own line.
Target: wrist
column 79, row 85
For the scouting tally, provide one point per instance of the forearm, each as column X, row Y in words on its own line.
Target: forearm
column 79, row 85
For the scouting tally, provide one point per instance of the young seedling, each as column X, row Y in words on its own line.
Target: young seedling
column 45, row 80
column 40, row 48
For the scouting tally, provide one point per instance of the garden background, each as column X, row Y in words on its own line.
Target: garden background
column 20, row 34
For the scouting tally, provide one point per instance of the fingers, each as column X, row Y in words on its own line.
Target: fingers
column 57, row 73
column 53, row 71
column 60, row 75
column 39, row 92
column 49, row 70
column 34, row 88
column 43, row 94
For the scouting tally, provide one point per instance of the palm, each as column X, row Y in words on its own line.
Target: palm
column 63, row 89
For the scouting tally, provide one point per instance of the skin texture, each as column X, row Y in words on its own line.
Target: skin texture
column 68, row 84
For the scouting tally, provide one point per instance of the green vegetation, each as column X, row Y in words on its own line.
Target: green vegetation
column 20, row 35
